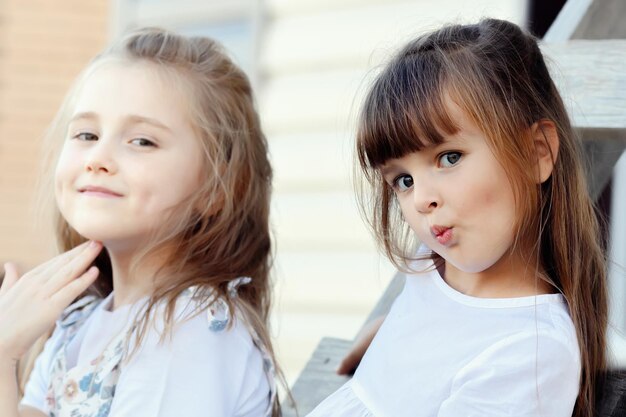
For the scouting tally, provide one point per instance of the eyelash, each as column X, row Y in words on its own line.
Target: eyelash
column 145, row 142
column 443, row 155
column 78, row 136
column 395, row 184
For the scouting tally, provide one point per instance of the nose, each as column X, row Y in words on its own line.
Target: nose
column 425, row 197
column 100, row 159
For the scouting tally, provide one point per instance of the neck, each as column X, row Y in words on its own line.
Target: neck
column 511, row 276
column 130, row 284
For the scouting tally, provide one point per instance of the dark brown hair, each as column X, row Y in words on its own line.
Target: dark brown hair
column 496, row 73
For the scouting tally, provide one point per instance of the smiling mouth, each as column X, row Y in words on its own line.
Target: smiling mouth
column 98, row 192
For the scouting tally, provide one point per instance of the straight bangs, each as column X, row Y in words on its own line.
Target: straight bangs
column 408, row 109
column 405, row 111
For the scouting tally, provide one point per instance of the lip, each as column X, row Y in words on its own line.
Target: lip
column 443, row 234
column 98, row 191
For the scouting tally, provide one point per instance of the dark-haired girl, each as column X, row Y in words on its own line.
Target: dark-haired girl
column 466, row 148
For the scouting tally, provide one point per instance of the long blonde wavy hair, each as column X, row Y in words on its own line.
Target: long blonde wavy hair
column 222, row 231
column 496, row 73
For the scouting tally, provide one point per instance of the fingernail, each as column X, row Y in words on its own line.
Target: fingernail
column 93, row 244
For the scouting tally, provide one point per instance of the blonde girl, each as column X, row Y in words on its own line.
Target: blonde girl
column 162, row 187
column 466, row 145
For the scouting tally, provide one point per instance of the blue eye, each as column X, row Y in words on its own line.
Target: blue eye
column 85, row 136
column 449, row 159
column 403, row 182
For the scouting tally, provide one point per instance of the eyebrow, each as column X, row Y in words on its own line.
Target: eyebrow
column 131, row 118
column 389, row 169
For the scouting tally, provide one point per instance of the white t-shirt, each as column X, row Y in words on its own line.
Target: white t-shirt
column 442, row 353
column 198, row 372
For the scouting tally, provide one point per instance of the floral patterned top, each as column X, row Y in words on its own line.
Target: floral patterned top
column 84, row 390
column 229, row 375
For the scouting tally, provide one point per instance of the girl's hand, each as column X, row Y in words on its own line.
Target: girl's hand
column 30, row 305
column 363, row 340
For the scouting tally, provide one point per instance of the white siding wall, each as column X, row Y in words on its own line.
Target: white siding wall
column 316, row 59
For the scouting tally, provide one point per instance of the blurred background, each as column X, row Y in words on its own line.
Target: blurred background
column 310, row 62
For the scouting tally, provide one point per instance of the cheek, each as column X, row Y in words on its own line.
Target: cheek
column 163, row 181
column 488, row 191
column 411, row 216
column 496, row 203
column 490, row 198
column 159, row 193
column 63, row 174
column 69, row 161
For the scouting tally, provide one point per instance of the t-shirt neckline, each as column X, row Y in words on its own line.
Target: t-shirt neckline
column 509, row 302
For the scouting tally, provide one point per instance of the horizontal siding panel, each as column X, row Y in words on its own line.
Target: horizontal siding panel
column 185, row 12
column 314, row 221
column 326, row 280
column 348, row 40
column 311, row 102
column 591, row 76
column 311, row 161
column 297, row 334
column 323, row 294
column 360, row 36
column 281, row 9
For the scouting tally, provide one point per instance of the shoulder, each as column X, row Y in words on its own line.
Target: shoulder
column 201, row 331
column 528, row 348
column 225, row 331
column 196, row 366
column 212, row 319
column 525, row 374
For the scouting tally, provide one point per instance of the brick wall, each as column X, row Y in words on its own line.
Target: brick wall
column 43, row 46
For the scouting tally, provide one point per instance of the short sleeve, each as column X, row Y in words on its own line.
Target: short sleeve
column 36, row 388
column 524, row 375
column 197, row 372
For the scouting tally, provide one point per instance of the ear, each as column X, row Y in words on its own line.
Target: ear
column 546, row 141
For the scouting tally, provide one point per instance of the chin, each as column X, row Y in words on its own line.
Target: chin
column 473, row 265
column 99, row 232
